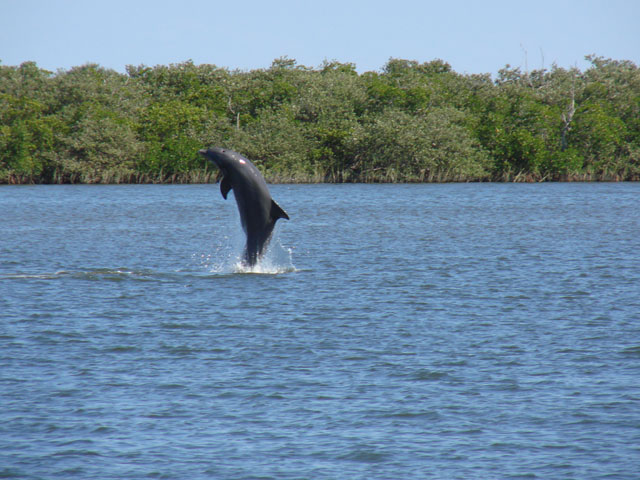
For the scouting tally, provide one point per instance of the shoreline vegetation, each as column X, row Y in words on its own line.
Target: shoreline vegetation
column 408, row 122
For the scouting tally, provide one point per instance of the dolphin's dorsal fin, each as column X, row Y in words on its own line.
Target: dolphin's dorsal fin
column 225, row 186
column 277, row 211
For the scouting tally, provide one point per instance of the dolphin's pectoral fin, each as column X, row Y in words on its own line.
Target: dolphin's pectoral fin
column 225, row 186
column 277, row 212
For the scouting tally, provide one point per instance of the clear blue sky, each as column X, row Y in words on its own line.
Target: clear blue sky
column 473, row 36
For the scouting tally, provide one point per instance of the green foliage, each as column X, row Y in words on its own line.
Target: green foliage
column 434, row 146
column 169, row 131
column 279, row 143
column 410, row 121
column 26, row 132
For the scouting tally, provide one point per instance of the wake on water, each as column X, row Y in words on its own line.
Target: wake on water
column 225, row 260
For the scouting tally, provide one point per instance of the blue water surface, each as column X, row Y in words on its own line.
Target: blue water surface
column 449, row 331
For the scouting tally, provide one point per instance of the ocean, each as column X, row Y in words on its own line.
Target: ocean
column 441, row 331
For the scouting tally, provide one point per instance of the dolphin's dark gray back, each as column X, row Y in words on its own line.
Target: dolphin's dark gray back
column 258, row 211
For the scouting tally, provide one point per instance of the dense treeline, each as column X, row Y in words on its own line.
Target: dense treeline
column 409, row 122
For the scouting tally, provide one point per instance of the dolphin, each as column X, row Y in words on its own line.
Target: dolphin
column 258, row 211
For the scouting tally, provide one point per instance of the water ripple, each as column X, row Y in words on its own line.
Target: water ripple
column 426, row 331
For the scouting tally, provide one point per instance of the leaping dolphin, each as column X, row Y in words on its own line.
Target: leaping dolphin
column 258, row 211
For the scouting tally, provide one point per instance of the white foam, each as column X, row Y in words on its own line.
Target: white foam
column 275, row 261
column 228, row 258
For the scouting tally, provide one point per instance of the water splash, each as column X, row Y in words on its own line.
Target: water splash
column 228, row 258
column 277, row 259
